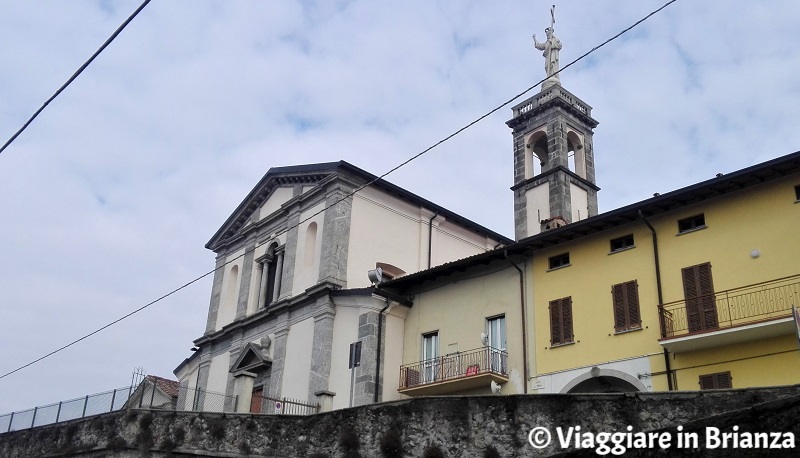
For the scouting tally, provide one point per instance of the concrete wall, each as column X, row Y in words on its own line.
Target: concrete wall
column 458, row 426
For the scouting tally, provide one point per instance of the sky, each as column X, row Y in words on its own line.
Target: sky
column 109, row 196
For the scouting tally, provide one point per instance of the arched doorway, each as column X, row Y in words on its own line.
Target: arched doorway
column 604, row 381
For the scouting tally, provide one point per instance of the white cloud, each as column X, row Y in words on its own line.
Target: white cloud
column 107, row 200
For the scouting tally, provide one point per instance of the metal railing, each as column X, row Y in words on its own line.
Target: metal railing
column 65, row 410
column 282, row 406
column 730, row 308
column 454, row 366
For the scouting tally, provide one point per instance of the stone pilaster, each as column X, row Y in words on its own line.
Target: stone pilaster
column 336, row 237
column 246, row 275
column 365, row 386
column 216, row 292
column 279, row 354
column 324, row 313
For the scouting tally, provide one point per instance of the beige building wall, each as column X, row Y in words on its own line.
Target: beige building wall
column 279, row 196
column 229, row 297
column 299, row 344
column 309, row 237
column 345, row 332
column 217, row 381
column 393, row 351
column 459, row 311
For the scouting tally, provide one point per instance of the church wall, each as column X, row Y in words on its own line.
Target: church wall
column 538, row 208
column 580, row 202
column 345, row 332
column 217, row 381
column 306, row 263
column 280, row 195
column 383, row 229
column 298, row 360
column 230, row 290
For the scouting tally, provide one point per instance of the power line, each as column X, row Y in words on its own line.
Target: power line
column 75, row 75
column 350, row 194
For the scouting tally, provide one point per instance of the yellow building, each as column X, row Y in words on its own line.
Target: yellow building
column 688, row 290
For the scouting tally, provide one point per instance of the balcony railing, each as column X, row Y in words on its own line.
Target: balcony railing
column 472, row 363
column 731, row 308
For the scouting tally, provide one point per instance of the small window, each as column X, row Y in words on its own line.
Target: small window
column 561, row 322
column 560, row 260
column 622, row 243
column 797, row 193
column 718, row 381
column 692, row 223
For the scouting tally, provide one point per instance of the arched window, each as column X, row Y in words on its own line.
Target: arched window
column 536, row 154
column 311, row 245
column 576, row 154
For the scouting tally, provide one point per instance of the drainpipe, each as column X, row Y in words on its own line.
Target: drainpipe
column 660, row 296
column 430, row 238
column 524, row 322
column 378, row 353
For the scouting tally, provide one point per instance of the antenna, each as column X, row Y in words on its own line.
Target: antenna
column 495, row 387
column 485, row 338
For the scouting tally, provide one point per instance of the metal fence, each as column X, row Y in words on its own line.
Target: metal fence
column 454, row 366
column 148, row 395
column 66, row 410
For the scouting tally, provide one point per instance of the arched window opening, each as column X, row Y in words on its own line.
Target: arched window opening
column 536, row 153
column 311, row 245
column 576, row 154
column 389, row 271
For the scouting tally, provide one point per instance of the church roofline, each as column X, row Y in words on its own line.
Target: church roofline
column 698, row 192
column 313, row 173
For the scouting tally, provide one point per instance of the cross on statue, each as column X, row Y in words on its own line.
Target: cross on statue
column 551, row 47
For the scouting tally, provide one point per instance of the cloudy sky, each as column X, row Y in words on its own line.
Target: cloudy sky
column 108, row 198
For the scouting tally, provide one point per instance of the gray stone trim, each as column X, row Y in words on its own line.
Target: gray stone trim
column 245, row 279
column 324, row 313
column 336, row 236
column 278, row 362
column 216, row 291
column 290, row 253
column 364, row 389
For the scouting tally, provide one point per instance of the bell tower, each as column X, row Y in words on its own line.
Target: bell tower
column 554, row 175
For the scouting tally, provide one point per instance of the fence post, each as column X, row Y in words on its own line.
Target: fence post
column 113, row 397
column 10, row 421
column 33, row 420
column 85, row 402
column 58, row 412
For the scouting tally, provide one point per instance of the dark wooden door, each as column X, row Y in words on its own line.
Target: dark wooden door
column 257, row 400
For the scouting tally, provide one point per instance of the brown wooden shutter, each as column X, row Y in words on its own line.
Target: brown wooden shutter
column 555, row 322
column 698, row 290
column 632, row 293
column 620, row 307
column 718, row 381
column 566, row 318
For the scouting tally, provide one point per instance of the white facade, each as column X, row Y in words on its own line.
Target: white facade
column 291, row 292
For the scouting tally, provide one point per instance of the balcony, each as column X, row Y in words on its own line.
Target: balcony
column 456, row 372
column 729, row 317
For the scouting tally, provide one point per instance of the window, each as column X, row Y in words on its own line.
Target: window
column 560, row 260
column 626, row 306
column 561, row 321
column 430, row 355
column 497, row 344
column 797, row 193
column 622, row 243
column 718, row 381
column 698, row 290
column 691, row 223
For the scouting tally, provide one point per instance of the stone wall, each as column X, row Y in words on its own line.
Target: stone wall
column 474, row 426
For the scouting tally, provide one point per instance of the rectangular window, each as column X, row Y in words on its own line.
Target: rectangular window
column 430, row 355
column 622, row 243
column 718, row 381
column 561, row 321
column 560, row 260
column 497, row 344
column 626, row 306
column 692, row 223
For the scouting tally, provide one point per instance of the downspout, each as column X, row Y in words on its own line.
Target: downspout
column 378, row 352
column 660, row 296
column 430, row 238
column 524, row 322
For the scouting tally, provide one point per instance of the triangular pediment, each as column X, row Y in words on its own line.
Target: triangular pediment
column 252, row 357
column 274, row 189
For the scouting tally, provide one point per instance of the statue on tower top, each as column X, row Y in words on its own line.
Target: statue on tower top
column 551, row 47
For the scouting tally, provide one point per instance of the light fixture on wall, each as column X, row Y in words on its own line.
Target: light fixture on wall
column 375, row 276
